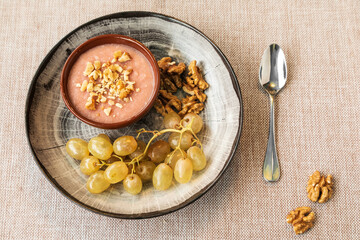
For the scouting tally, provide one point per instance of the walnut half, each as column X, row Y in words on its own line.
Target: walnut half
column 319, row 188
column 301, row 218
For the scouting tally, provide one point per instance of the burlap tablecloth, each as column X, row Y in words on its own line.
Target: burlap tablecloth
column 317, row 116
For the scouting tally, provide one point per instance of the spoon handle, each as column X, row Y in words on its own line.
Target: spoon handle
column 271, row 170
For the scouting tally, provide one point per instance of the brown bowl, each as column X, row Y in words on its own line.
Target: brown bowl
column 100, row 40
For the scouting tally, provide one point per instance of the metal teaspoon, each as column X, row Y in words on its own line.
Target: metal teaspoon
column 272, row 78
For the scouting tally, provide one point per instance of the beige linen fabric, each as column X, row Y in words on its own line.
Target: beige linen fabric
column 317, row 116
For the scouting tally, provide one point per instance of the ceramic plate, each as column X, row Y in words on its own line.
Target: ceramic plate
column 49, row 124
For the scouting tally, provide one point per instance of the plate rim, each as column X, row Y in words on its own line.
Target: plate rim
column 126, row 14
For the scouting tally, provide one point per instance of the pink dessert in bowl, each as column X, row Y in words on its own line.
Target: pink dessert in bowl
column 110, row 81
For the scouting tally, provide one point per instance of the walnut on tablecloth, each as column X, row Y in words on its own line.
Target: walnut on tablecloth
column 301, row 218
column 319, row 188
column 171, row 80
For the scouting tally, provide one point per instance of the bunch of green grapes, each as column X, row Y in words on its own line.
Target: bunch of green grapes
column 133, row 161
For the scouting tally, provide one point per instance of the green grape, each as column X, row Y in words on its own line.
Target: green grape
column 145, row 170
column 125, row 145
column 175, row 155
column 183, row 170
column 197, row 122
column 97, row 183
column 104, row 136
column 100, row 148
column 197, row 156
column 132, row 184
column 77, row 148
column 141, row 145
column 172, row 120
column 158, row 151
column 186, row 140
column 89, row 165
column 162, row 176
column 116, row 172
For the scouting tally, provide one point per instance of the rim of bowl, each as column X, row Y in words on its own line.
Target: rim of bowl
column 101, row 40
column 193, row 198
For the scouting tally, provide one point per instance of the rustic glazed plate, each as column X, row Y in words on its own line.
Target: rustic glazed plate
column 49, row 124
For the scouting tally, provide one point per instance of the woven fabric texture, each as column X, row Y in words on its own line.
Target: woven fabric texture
column 317, row 121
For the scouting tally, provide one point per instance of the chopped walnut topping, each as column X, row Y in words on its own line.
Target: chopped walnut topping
column 117, row 68
column 84, row 85
column 90, row 87
column 97, row 87
column 117, row 54
column 127, row 72
column 107, row 111
column 90, row 104
column 92, row 94
column 103, row 99
column 95, row 74
column 123, row 94
column 97, row 65
column 124, row 57
column 89, row 68
column 108, row 83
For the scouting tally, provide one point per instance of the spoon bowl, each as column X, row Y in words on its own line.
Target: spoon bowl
column 272, row 78
column 273, row 70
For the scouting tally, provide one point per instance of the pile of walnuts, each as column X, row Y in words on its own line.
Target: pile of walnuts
column 172, row 79
column 319, row 190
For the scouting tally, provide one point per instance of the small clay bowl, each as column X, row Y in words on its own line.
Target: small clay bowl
column 100, row 40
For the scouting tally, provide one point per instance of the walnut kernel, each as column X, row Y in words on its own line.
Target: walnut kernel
column 319, row 188
column 301, row 218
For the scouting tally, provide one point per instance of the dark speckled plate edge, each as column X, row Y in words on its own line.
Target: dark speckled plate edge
column 150, row 214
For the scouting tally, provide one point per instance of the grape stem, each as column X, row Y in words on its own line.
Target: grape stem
column 156, row 134
column 103, row 163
